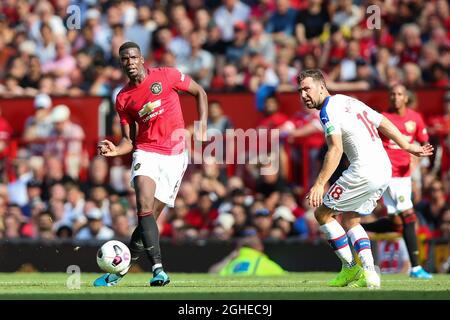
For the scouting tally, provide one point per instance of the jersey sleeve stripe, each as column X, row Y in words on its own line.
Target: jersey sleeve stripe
column 323, row 112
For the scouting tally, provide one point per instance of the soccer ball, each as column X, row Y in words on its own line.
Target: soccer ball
column 113, row 257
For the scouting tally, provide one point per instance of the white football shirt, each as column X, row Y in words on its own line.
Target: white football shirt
column 357, row 123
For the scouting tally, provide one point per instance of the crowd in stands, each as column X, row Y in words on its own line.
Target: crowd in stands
column 230, row 45
column 227, row 46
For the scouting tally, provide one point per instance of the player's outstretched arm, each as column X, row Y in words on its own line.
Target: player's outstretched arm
column 391, row 131
column 331, row 162
column 202, row 106
column 108, row 149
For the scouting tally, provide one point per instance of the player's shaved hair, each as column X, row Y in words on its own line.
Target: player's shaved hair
column 315, row 74
column 129, row 45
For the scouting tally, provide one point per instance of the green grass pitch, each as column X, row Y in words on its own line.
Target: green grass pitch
column 205, row 286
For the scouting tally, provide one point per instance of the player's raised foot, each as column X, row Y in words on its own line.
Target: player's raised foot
column 346, row 276
column 368, row 279
column 107, row 280
column 160, row 279
column 420, row 273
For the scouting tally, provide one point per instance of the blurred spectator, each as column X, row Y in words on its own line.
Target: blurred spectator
column 228, row 14
column 216, row 119
column 347, row 14
column 439, row 76
column 12, row 227
column 203, row 216
column 413, row 76
column 45, row 226
column 311, row 22
column 142, row 32
column 39, row 126
column 284, row 219
column 90, row 47
column 95, row 229
column 74, row 208
column 45, row 50
column 214, row 43
column 262, row 220
column 282, row 22
column 121, row 227
column 174, row 218
column 200, row 63
column 17, row 190
column 237, row 48
column 261, row 42
column 98, row 197
column 46, row 15
column 180, row 46
column 33, row 76
column 232, row 81
column 286, row 75
column 223, row 229
column 430, row 211
column 54, row 173
column 66, row 140
column 64, row 232
column 98, row 175
column 34, row 191
column 61, row 65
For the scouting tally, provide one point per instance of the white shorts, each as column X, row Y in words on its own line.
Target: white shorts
column 166, row 170
column 352, row 192
column 397, row 197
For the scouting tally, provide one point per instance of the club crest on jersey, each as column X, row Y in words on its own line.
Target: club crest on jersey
column 410, row 126
column 137, row 166
column 156, row 88
column 401, row 199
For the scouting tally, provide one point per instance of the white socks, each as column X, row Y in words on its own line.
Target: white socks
column 361, row 244
column 338, row 240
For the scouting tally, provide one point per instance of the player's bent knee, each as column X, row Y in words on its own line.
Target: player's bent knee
column 323, row 214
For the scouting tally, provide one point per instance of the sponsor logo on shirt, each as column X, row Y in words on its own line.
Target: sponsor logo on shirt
column 156, row 88
column 149, row 107
column 137, row 166
column 148, row 110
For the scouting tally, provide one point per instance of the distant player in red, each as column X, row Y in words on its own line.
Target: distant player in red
column 397, row 197
column 153, row 128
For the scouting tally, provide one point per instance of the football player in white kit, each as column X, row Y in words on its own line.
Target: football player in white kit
column 352, row 127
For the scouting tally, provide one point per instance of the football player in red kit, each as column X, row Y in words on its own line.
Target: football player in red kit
column 397, row 197
column 150, row 103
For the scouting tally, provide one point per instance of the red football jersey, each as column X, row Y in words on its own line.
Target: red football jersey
column 155, row 106
column 412, row 126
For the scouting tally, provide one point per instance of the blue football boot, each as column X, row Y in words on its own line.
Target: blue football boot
column 107, row 280
column 160, row 279
column 420, row 273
